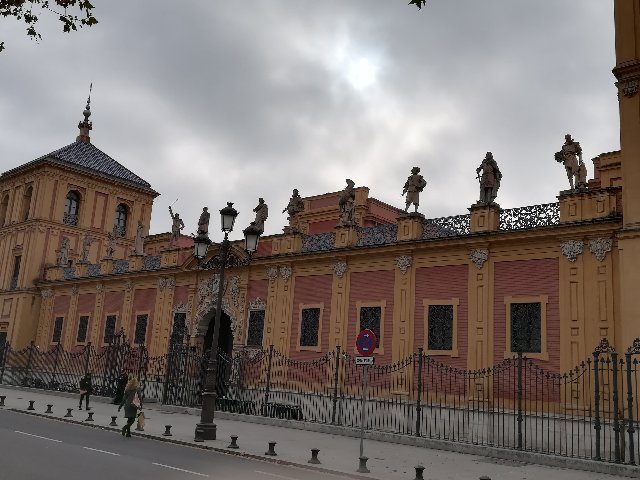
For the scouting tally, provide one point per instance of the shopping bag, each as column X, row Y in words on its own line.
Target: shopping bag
column 141, row 420
column 136, row 400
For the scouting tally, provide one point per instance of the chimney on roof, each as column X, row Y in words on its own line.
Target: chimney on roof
column 86, row 125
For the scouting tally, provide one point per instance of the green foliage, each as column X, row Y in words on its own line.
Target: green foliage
column 73, row 14
column 418, row 3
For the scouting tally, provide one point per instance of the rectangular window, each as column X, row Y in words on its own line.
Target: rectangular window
column 526, row 334
column 371, row 318
column 57, row 330
column 309, row 327
column 440, row 327
column 255, row 329
column 3, row 342
column 83, row 325
column 109, row 328
column 16, row 272
column 179, row 326
column 141, row 329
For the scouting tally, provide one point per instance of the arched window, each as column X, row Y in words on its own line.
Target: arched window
column 71, row 207
column 3, row 210
column 120, row 223
column 26, row 203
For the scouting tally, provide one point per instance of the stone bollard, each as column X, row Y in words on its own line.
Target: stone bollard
column 49, row 408
column 113, row 422
column 272, row 449
column 234, row 442
column 419, row 471
column 362, row 468
column 68, row 413
column 2, row 397
column 90, row 417
column 314, row 456
column 30, row 407
column 167, row 431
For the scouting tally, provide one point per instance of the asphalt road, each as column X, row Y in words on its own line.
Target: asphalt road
column 37, row 448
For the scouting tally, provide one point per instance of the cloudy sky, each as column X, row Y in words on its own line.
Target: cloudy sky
column 230, row 101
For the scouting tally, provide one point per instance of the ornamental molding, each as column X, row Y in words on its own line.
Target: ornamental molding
column 340, row 268
column 166, row 282
column 46, row 293
column 99, row 287
column 74, row 290
column 128, row 285
column 272, row 274
column 285, row 272
column 234, row 290
column 403, row 262
column 600, row 246
column 571, row 249
column 479, row 256
column 257, row 304
column 180, row 308
column 629, row 86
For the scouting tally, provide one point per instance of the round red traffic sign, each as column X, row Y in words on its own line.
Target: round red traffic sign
column 366, row 342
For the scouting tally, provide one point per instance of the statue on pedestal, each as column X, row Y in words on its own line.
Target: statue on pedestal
column 63, row 255
column 203, row 222
column 347, row 205
column 412, row 188
column 176, row 226
column 571, row 157
column 138, row 246
column 111, row 243
column 86, row 246
column 293, row 209
column 490, row 179
column 262, row 212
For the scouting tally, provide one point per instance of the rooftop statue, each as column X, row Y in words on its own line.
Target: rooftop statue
column 490, row 179
column 262, row 212
column 203, row 222
column 412, row 188
column 63, row 256
column 176, row 226
column 347, row 205
column 293, row 209
column 569, row 155
column 138, row 246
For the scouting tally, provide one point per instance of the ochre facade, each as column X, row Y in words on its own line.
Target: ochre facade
column 578, row 259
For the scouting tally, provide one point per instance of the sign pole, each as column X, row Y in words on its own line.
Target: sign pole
column 363, row 417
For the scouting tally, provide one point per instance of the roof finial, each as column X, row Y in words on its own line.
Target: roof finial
column 85, row 126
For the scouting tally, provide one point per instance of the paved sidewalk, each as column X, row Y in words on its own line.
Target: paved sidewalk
column 387, row 461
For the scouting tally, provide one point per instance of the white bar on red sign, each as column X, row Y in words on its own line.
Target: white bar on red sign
column 364, row 360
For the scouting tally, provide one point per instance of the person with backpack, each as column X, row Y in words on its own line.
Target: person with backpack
column 132, row 402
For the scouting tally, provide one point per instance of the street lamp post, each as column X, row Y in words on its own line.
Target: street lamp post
column 206, row 429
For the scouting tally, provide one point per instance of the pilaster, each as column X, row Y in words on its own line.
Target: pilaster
column 339, row 305
column 284, row 302
column 71, row 321
column 127, row 305
column 480, row 326
column 403, row 308
column 271, row 310
column 97, row 320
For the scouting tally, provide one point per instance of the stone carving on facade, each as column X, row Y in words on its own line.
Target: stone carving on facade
column 294, row 209
column 262, row 212
column 99, row 287
column 111, row 244
column 285, row 272
column 272, row 274
column 600, row 246
column 257, row 304
column 403, row 262
column 570, row 155
column 234, row 290
column 412, row 188
column 571, row 249
column 74, row 290
column 203, row 222
column 128, row 286
column 478, row 256
column 63, row 254
column 48, row 293
column 166, row 282
column 176, row 226
column 138, row 246
column 87, row 240
column 490, row 179
column 340, row 268
column 629, row 86
column 347, row 204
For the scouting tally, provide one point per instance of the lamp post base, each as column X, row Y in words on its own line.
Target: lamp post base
column 205, row 431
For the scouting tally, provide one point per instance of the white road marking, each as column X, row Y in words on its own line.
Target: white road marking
column 180, row 469
column 38, row 436
column 101, row 451
column 275, row 475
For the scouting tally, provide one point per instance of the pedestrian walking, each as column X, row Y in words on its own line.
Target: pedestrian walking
column 122, row 384
column 132, row 402
column 86, row 389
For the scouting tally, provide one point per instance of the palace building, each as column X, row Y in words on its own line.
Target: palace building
column 549, row 280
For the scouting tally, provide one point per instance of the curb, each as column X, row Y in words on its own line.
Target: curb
column 251, row 456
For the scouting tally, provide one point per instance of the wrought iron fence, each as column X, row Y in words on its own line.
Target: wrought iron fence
column 591, row 411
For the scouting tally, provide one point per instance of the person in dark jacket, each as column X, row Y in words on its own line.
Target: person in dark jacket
column 122, row 384
column 86, row 389
column 132, row 402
